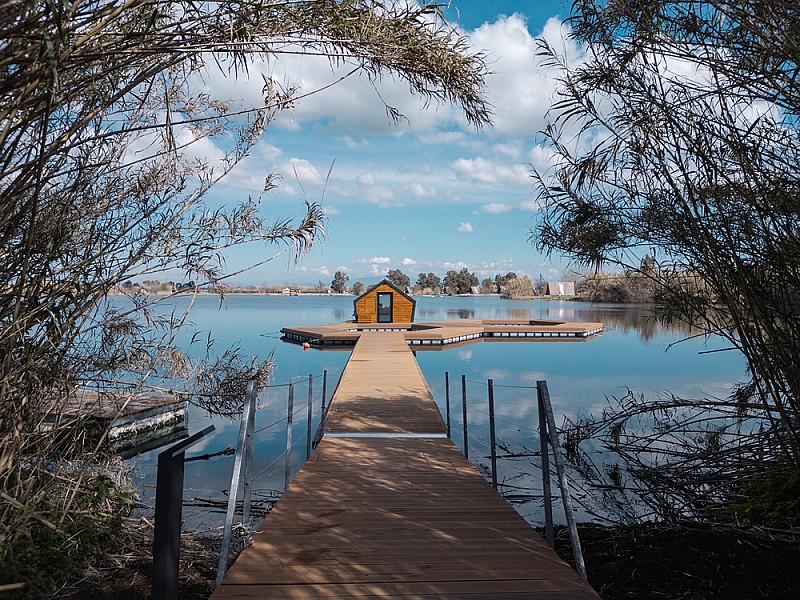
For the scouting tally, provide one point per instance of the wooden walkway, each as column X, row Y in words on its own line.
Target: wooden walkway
column 388, row 507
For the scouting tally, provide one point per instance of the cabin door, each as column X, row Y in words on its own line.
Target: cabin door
column 385, row 307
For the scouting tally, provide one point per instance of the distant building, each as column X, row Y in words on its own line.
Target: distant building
column 559, row 288
column 384, row 303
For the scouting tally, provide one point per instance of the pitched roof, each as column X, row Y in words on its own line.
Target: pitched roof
column 391, row 285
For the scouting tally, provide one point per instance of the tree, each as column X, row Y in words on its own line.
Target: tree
column 99, row 186
column 502, row 280
column 488, row 286
column 358, row 288
column 430, row 283
column 519, row 288
column 460, row 282
column 687, row 120
column 339, row 283
column 398, row 278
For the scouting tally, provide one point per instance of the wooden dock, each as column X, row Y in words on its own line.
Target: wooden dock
column 436, row 335
column 388, row 507
column 133, row 422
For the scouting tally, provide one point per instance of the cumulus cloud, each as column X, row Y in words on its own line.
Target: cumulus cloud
column 520, row 88
column 497, row 208
column 416, row 189
column 465, row 227
column 378, row 260
column 370, row 191
column 409, row 262
column 303, row 171
column 483, row 170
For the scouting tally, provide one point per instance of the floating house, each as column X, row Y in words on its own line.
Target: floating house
column 384, row 303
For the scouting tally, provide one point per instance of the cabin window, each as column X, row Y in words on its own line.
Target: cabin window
column 385, row 307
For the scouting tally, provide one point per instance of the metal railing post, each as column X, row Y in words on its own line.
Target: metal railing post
column 492, row 434
column 544, row 394
column 309, row 415
column 546, row 491
column 464, row 410
column 447, row 399
column 324, row 389
column 168, row 517
column 244, row 452
column 249, row 399
column 289, row 419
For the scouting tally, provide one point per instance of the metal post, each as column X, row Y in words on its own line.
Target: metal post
column 290, row 409
column 447, row 399
column 464, row 407
column 244, row 452
column 169, row 511
column 491, row 434
column 546, row 492
column 544, row 394
column 309, row 415
column 324, row 390
column 250, row 403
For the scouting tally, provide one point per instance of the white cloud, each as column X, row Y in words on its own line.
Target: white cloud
column 303, row 172
column 520, row 88
column 482, row 170
column 416, row 189
column 497, row 208
column 323, row 270
column 409, row 262
column 530, row 205
column 352, row 143
column 511, row 149
column 380, row 260
column 372, row 192
column 465, row 227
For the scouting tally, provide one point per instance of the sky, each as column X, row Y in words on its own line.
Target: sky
column 427, row 194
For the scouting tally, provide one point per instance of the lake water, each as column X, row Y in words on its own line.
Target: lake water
column 633, row 354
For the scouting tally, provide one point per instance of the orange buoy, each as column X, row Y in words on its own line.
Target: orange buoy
column 306, row 346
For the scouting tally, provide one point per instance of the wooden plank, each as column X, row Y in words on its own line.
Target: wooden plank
column 389, row 545
column 382, row 390
column 392, row 516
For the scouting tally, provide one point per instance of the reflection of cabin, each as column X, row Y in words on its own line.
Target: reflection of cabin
column 384, row 303
column 559, row 288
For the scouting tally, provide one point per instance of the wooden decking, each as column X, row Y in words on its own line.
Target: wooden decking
column 436, row 335
column 387, row 507
column 390, row 396
column 135, row 422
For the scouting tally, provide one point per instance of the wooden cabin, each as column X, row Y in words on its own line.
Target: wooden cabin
column 384, row 303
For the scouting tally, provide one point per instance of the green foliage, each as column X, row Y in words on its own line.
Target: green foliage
column 771, row 499
column 678, row 139
column 518, row 288
column 429, row 283
column 460, row 282
column 339, row 283
column 398, row 278
column 101, row 188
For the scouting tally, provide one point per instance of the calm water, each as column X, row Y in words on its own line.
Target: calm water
column 634, row 353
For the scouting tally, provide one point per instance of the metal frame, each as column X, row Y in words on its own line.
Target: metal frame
column 244, row 454
column 169, row 516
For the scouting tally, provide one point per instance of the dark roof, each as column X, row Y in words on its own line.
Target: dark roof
column 391, row 285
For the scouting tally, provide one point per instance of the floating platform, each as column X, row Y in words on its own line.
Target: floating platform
column 437, row 334
column 135, row 422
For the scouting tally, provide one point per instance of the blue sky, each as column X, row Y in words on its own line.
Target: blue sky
column 429, row 194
